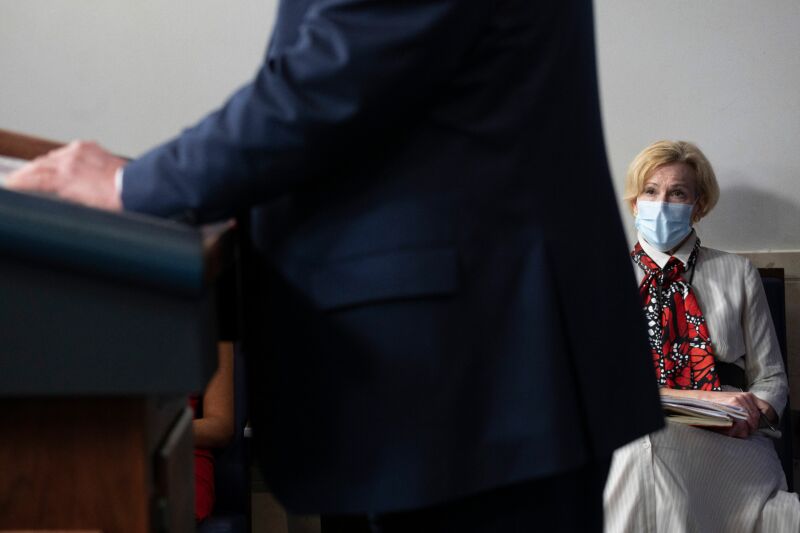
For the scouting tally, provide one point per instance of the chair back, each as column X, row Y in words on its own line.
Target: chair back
column 773, row 281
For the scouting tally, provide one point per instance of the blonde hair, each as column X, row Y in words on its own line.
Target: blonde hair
column 663, row 153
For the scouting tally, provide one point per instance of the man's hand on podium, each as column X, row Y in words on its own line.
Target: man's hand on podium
column 81, row 172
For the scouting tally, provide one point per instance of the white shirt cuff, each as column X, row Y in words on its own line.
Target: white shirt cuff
column 118, row 180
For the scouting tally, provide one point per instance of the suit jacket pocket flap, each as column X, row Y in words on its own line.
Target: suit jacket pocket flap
column 393, row 275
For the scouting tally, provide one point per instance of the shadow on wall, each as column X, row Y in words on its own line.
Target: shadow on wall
column 751, row 219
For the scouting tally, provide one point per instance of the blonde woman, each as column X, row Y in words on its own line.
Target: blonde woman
column 711, row 337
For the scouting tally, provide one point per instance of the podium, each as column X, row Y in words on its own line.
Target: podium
column 107, row 322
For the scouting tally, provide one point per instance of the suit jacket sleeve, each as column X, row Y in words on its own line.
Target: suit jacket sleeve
column 351, row 68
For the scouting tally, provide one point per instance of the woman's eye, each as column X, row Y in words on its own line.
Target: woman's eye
column 650, row 192
column 678, row 194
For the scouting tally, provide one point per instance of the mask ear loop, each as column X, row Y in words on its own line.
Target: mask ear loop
column 694, row 265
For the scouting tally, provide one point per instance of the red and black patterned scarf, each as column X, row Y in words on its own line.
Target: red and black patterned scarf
column 682, row 352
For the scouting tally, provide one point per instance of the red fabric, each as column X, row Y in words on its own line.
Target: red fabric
column 681, row 349
column 203, row 483
column 203, row 474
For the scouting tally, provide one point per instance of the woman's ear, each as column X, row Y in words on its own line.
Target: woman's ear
column 634, row 208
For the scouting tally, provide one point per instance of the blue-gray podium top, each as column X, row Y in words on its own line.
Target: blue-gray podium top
column 97, row 303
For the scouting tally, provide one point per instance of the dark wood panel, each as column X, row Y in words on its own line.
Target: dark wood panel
column 23, row 146
column 75, row 463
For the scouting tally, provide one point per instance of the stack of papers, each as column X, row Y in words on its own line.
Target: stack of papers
column 696, row 412
column 9, row 165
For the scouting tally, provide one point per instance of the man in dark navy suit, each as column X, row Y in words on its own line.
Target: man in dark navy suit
column 441, row 287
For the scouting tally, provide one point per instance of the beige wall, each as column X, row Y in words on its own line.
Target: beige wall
column 129, row 74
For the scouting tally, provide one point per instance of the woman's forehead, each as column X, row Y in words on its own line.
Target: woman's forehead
column 672, row 174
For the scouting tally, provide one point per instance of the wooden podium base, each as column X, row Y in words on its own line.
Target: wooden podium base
column 107, row 464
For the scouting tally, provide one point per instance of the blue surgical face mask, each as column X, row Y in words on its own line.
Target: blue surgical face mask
column 664, row 224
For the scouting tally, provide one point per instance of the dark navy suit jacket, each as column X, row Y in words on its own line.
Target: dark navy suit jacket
column 442, row 301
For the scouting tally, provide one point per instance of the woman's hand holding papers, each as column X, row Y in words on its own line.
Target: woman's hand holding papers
column 749, row 402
